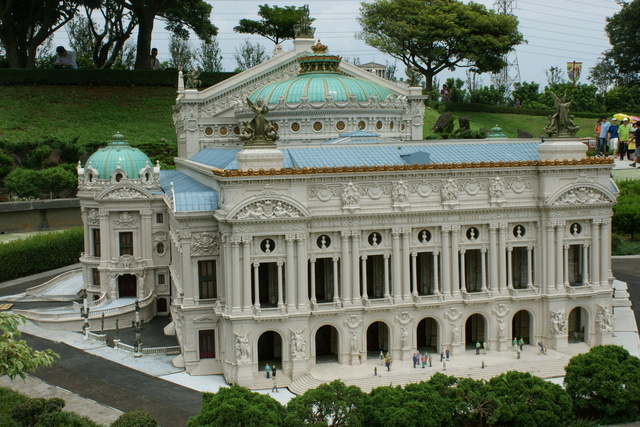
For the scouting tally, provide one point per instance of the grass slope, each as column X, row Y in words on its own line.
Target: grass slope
column 36, row 113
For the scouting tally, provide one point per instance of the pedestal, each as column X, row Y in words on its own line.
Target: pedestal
column 260, row 158
column 244, row 375
column 356, row 359
column 299, row 368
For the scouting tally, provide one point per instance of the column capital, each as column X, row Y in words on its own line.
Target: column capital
column 280, row 263
column 364, row 257
column 335, row 259
column 586, row 245
column 289, row 238
column 235, row 240
column 551, row 224
column 566, row 247
column 247, row 240
column 256, row 264
column 493, row 226
column 436, row 253
column 146, row 212
column 463, row 251
column 312, row 260
column 345, row 234
column 445, row 228
column 414, row 254
column 560, row 224
column 510, row 248
column 530, row 248
column 301, row 237
column 596, row 221
column 386, row 256
column 396, row 231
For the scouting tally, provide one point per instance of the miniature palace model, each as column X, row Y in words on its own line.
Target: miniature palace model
column 308, row 221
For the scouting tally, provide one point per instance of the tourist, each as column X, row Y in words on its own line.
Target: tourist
column 521, row 343
column 387, row 363
column 484, row 347
column 430, row 365
column 423, row 360
column 375, row 371
column 624, row 133
column 477, row 348
column 634, row 140
column 441, row 355
column 273, row 371
column 517, row 103
column 447, row 352
column 415, row 359
column 483, row 365
column 65, row 59
column 597, row 130
column 445, row 94
column 154, row 62
column 273, row 377
column 603, row 149
column 613, row 136
column 267, row 369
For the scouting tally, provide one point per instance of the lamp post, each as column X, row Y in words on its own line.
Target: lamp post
column 84, row 313
column 137, row 327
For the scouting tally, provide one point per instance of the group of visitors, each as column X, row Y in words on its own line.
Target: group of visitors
column 66, row 59
column 419, row 358
column 621, row 139
column 385, row 359
column 482, row 347
column 271, row 373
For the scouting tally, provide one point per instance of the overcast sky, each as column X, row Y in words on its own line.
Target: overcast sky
column 557, row 31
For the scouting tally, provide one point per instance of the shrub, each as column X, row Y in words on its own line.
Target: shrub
column 29, row 413
column 135, row 419
column 23, row 257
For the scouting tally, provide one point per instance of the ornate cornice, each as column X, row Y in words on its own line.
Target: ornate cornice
column 393, row 168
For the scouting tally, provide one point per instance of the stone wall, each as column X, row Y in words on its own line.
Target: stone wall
column 39, row 215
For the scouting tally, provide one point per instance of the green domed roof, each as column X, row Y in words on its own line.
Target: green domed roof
column 319, row 77
column 118, row 155
column 317, row 86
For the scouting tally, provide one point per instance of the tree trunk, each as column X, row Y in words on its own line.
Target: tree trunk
column 145, row 28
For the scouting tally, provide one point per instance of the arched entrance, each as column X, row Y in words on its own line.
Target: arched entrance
column 127, row 286
column 474, row 330
column 327, row 344
column 427, row 335
column 521, row 326
column 377, row 339
column 577, row 325
column 270, row 350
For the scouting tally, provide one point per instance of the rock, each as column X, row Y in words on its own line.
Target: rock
column 463, row 123
column 443, row 122
column 17, row 161
column 54, row 159
column 84, row 157
column 524, row 134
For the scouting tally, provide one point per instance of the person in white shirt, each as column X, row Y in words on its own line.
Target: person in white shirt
column 155, row 63
column 65, row 59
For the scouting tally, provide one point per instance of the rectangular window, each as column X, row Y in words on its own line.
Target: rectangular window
column 207, row 341
column 95, row 235
column 159, row 218
column 207, row 279
column 161, row 279
column 126, row 243
column 96, row 277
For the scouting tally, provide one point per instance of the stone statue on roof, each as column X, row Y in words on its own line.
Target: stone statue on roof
column 561, row 122
column 304, row 30
column 259, row 131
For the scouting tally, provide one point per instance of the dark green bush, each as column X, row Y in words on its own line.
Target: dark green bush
column 29, row 413
column 135, row 419
column 39, row 253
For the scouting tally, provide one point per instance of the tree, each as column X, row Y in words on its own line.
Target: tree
column 179, row 15
column 277, row 23
column 391, row 68
column 26, row 24
column 181, row 53
column 16, row 357
column 527, row 93
column 603, row 75
column 520, row 399
column 248, row 55
column 208, row 56
column 605, row 383
column 237, row 406
column 439, row 35
column 25, row 183
column 57, row 179
column 626, row 213
column 623, row 34
column 80, row 38
column 555, row 76
column 332, row 404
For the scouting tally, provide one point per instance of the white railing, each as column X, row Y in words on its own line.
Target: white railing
column 97, row 337
column 92, row 304
column 45, row 285
column 162, row 350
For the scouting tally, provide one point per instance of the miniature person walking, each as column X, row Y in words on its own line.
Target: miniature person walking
column 484, row 347
column 273, row 377
column 514, row 343
column 477, row 348
column 267, row 369
column 521, row 344
column 447, row 352
column 375, row 371
column 430, row 361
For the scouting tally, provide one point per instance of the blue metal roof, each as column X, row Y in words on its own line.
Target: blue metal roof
column 388, row 154
column 189, row 194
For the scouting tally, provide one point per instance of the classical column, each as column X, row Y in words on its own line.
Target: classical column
column 256, row 284
column 493, row 257
column 406, row 274
column 549, row 259
column 585, row 263
column 565, row 255
column 364, row 277
column 483, row 268
column 595, row 251
column 529, row 266
column 312, row 278
column 455, row 266
column 355, row 267
column 246, row 273
column 236, row 278
column 446, row 265
column 414, row 273
column 88, row 241
column 386, row 275
column 463, row 270
column 605, row 252
column 290, row 268
column 145, row 229
column 336, row 292
column 502, row 258
column 396, row 282
column 345, row 275
column 510, row 267
column 436, row 279
column 301, row 258
column 559, row 258
column 280, row 291
column 105, row 237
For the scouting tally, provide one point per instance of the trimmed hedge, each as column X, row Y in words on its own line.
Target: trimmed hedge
column 102, row 77
column 484, row 108
column 41, row 252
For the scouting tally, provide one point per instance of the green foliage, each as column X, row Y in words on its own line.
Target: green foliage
column 29, row 413
column 623, row 98
column 182, row 55
column 488, row 95
column 237, row 406
column 24, row 183
column 24, row 256
column 277, row 23
column 520, row 399
column 58, row 179
column 528, row 93
column 623, row 34
column 6, row 164
column 626, row 213
column 456, row 88
column 332, row 404
column 605, row 383
column 9, row 399
column 16, row 357
column 585, row 97
column 438, row 35
column 248, row 55
column 135, row 419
